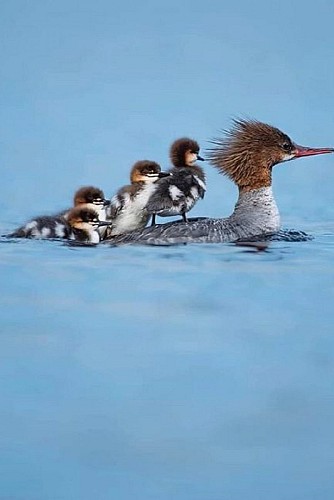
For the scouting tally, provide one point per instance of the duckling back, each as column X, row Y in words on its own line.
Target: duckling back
column 44, row 227
column 177, row 194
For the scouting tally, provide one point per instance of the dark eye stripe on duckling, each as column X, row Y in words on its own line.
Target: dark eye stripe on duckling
column 88, row 216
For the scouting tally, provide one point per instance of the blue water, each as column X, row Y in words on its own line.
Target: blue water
column 185, row 373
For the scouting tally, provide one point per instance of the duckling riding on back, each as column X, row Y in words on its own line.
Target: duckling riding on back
column 127, row 210
column 177, row 194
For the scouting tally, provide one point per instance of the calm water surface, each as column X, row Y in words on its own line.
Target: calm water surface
column 190, row 372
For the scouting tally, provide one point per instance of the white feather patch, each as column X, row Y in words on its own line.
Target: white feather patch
column 59, row 230
column 45, row 232
column 133, row 215
column 200, row 182
column 30, row 225
column 175, row 193
column 94, row 237
column 194, row 192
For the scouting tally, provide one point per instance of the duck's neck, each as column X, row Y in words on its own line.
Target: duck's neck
column 257, row 208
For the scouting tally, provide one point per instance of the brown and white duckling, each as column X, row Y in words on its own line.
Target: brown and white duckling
column 177, row 194
column 90, row 197
column 84, row 225
column 127, row 210
column 81, row 224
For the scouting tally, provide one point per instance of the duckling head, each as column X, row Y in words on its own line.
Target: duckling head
column 146, row 172
column 184, row 152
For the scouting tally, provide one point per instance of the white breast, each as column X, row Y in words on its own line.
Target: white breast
column 133, row 215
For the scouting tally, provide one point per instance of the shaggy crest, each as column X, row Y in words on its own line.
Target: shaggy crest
column 248, row 152
column 179, row 148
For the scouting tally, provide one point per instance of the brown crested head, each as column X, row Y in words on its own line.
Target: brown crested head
column 248, row 152
column 251, row 148
column 88, row 194
column 79, row 216
column 145, row 171
column 181, row 150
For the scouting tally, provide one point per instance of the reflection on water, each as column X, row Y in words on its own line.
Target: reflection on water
column 188, row 372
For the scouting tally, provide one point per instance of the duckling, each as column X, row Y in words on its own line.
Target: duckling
column 127, row 210
column 81, row 224
column 90, row 197
column 55, row 226
column 84, row 225
column 178, row 193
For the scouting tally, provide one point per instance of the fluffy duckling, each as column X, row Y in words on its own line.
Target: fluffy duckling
column 55, row 226
column 127, row 210
column 84, row 225
column 177, row 194
column 81, row 224
column 90, row 197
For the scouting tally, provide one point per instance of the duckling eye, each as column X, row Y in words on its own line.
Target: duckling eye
column 286, row 146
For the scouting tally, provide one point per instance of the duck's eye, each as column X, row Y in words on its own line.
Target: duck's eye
column 287, row 146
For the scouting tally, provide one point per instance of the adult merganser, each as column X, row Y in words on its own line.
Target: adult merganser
column 177, row 194
column 81, row 224
column 127, row 210
column 246, row 155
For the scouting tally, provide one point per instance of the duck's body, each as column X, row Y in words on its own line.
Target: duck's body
column 127, row 211
column 246, row 155
column 178, row 193
column 255, row 213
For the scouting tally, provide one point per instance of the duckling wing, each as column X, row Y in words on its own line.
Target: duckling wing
column 114, row 208
column 118, row 202
column 191, row 181
column 166, row 197
column 200, row 184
